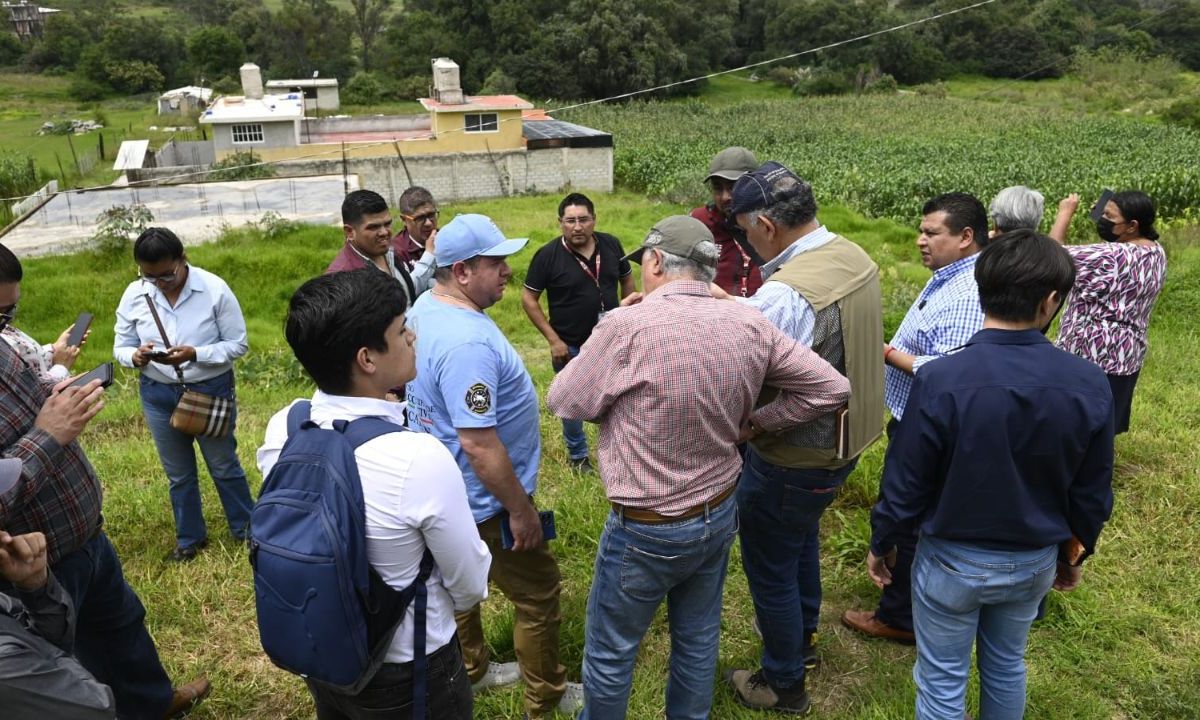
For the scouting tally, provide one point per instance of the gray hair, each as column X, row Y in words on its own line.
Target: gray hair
column 676, row 265
column 791, row 212
column 1017, row 207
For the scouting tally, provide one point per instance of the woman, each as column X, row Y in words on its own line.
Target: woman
column 1117, row 283
column 50, row 362
column 205, row 333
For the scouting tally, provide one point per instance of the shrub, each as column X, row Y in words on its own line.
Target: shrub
column 240, row 166
column 411, row 87
column 118, row 226
column 1185, row 112
column 226, row 85
column 786, row 76
column 363, row 89
column 934, row 89
column 825, row 81
column 498, row 83
column 87, row 90
column 11, row 49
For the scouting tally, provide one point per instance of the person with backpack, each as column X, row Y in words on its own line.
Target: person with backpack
column 348, row 332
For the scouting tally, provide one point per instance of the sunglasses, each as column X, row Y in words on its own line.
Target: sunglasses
column 164, row 278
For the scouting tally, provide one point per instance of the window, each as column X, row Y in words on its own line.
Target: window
column 247, row 133
column 482, row 122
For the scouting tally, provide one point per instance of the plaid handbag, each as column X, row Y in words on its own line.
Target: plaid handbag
column 196, row 413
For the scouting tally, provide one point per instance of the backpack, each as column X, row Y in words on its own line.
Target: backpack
column 323, row 612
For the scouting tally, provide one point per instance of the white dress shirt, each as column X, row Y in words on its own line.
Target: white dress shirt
column 415, row 498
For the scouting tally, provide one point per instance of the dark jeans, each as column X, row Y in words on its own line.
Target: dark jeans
column 895, row 603
column 390, row 692
column 111, row 640
column 781, row 512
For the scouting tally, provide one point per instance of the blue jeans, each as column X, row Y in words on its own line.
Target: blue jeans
column 111, row 640
column 962, row 592
column 177, row 453
column 638, row 565
column 780, row 510
column 573, row 435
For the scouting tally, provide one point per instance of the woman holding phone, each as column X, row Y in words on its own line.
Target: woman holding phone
column 183, row 328
column 51, row 362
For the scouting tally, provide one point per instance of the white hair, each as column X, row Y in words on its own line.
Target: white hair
column 676, row 265
column 1017, row 207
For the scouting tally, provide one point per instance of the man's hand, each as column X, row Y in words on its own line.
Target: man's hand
column 632, row 298
column 23, row 560
column 431, row 243
column 179, row 354
column 68, row 409
column 526, row 528
column 747, row 432
column 64, row 354
column 559, row 352
column 1067, row 577
column 718, row 292
column 879, row 568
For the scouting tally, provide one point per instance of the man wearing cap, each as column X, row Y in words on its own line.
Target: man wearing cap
column 367, row 225
column 673, row 397
column 579, row 270
column 473, row 393
column 737, row 269
column 944, row 317
column 420, row 215
column 821, row 290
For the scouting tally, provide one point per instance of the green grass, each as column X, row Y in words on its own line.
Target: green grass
column 1122, row 646
column 1069, row 93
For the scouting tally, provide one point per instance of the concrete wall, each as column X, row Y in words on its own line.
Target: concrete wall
column 382, row 123
column 327, row 99
column 275, row 135
column 191, row 152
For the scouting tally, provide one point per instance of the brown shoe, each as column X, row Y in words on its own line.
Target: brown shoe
column 187, row 697
column 871, row 626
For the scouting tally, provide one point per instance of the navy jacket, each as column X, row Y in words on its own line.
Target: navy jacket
column 1007, row 443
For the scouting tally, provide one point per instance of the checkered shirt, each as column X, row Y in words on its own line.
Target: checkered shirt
column 944, row 317
column 672, row 379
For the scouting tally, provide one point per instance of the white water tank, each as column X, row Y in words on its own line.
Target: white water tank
column 446, row 87
column 252, row 84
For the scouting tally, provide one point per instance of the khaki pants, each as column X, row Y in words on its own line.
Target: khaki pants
column 531, row 582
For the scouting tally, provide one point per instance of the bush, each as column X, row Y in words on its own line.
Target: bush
column 11, row 49
column 118, row 226
column 240, row 166
column 1116, row 78
column 87, row 90
column 363, row 89
column 786, row 76
column 825, row 81
column 411, row 87
column 226, row 85
column 934, row 89
column 1185, row 112
column 498, row 83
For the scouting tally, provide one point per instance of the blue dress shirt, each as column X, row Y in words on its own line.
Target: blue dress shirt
column 779, row 303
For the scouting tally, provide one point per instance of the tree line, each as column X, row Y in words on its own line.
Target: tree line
column 570, row 49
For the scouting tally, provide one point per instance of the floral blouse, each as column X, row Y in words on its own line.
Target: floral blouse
column 1109, row 308
column 39, row 358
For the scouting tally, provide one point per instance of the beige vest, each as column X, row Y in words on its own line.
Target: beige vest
column 841, row 283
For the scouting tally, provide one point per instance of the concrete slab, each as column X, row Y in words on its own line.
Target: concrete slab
column 196, row 212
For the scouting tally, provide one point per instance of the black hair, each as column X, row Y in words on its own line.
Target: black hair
column 798, row 208
column 157, row 244
column 331, row 317
column 10, row 266
column 576, row 199
column 1017, row 270
column 962, row 210
column 1137, row 205
column 359, row 203
column 413, row 198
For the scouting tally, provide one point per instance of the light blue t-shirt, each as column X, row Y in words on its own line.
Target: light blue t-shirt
column 470, row 376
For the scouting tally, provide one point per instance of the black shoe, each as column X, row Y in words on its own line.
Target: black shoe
column 753, row 691
column 583, row 464
column 808, row 650
column 186, row 554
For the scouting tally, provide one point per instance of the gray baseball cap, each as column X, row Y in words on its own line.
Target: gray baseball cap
column 731, row 163
column 10, row 473
column 679, row 235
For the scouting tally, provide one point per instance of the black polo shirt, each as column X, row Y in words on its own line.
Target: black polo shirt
column 575, row 298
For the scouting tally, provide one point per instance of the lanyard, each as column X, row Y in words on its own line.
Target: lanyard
column 594, row 275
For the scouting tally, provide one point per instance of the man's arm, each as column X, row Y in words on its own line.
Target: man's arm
column 1090, row 497
column 628, row 287
column 808, row 386
column 489, row 459
column 533, row 308
column 588, row 386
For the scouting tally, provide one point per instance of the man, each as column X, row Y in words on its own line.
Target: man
column 673, row 383
column 1004, row 460
column 1016, row 208
column 348, row 332
column 737, row 269
column 38, row 676
column 58, row 494
column 474, row 394
column 579, row 270
column 420, row 216
column 821, row 290
column 367, row 225
column 945, row 316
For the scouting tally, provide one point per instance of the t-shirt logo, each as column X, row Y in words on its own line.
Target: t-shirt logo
column 479, row 398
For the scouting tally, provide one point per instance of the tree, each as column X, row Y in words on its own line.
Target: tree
column 215, row 52
column 63, row 41
column 11, row 49
column 1178, row 30
column 314, row 36
column 369, row 20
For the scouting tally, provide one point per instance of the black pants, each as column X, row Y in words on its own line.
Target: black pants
column 390, row 692
column 895, row 603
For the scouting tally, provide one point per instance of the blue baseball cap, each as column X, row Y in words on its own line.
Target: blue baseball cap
column 468, row 236
column 762, row 188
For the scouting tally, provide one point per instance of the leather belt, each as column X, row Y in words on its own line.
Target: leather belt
column 649, row 517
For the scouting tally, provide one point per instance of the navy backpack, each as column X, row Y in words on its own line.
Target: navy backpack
column 323, row 612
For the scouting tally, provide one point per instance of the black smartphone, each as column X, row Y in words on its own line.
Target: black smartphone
column 102, row 372
column 82, row 323
column 1101, row 202
column 158, row 354
column 548, row 530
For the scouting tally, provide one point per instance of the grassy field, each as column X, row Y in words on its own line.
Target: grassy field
column 1123, row 646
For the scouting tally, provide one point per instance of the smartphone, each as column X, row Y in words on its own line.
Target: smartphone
column 548, row 530
column 1098, row 208
column 82, row 323
column 158, row 354
column 102, row 372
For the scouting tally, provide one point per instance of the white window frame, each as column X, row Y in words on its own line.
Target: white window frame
column 481, row 122
column 247, row 134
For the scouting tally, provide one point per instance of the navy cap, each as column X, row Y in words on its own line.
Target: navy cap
column 762, row 188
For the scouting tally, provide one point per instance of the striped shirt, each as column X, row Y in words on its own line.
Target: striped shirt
column 945, row 316
column 673, row 379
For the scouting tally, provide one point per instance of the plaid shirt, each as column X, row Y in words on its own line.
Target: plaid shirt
column 672, row 380
column 58, row 493
column 945, row 316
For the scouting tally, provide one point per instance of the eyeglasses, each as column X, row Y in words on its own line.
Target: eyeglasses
column 164, row 278
column 422, row 219
column 577, row 221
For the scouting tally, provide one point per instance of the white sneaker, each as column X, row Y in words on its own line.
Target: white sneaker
column 497, row 675
column 572, row 699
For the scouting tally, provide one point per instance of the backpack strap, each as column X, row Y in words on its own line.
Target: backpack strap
column 365, row 429
column 299, row 414
column 420, row 671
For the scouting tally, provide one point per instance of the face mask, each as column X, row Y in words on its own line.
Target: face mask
column 1104, row 228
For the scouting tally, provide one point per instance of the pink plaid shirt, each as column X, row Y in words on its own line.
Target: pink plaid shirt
column 672, row 379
